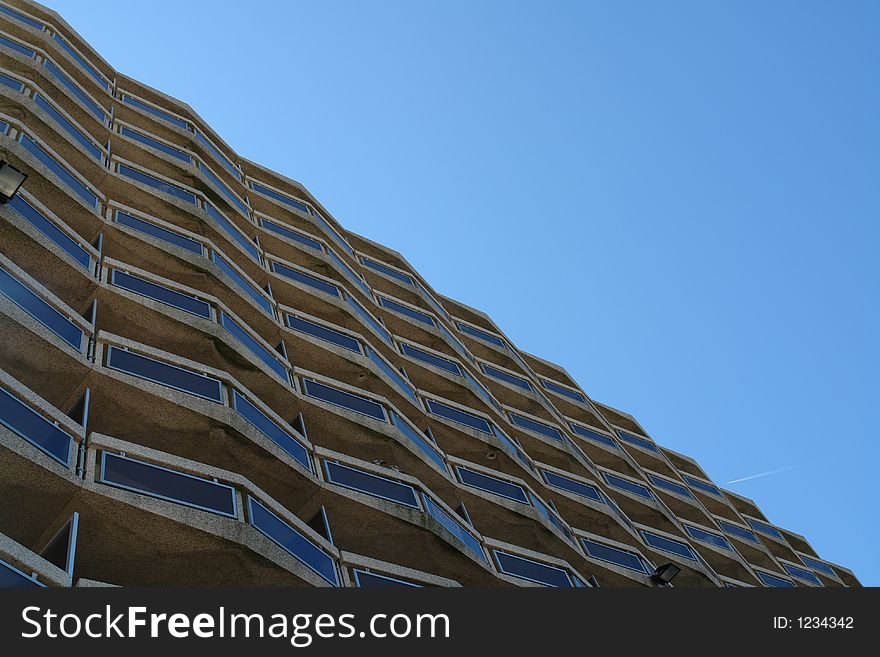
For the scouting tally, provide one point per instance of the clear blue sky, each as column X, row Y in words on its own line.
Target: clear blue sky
column 676, row 201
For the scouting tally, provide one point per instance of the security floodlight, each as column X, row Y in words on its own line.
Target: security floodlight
column 664, row 574
column 11, row 180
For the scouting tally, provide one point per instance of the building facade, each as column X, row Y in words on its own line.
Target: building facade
column 206, row 380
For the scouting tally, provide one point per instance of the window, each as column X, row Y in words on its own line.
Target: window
column 71, row 129
column 818, row 565
column 428, row 448
column 552, row 516
column 702, row 485
column 223, row 159
column 252, row 291
column 481, row 334
column 156, row 481
column 291, row 234
column 478, row 388
column 36, row 307
column 453, row 526
column 154, row 143
column 347, row 400
column 765, row 528
column 615, row 555
column 388, row 271
column 34, row 428
column 323, row 333
column 532, row 571
column 492, row 484
column 160, row 233
column 431, row 359
column 637, row 440
column 364, row 579
column 50, row 230
column 565, row 392
column 156, row 183
column 91, row 70
column 774, row 580
column 161, row 293
column 669, row 545
column 305, row 279
column 253, row 345
column 292, row 541
column 371, row 484
column 671, row 486
column 224, row 189
column 236, row 234
column 349, row 272
column 627, row 485
column 739, row 532
column 595, row 436
column 501, row 375
column 270, row 429
column 330, row 230
column 164, row 374
column 461, row 417
column 11, row 82
column 572, row 486
column 17, row 47
column 150, row 109
column 66, row 177
column 406, row 310
column 802, row 574
column 71, row 86
column 455, row 342
column 282, row 198
column 708, row 537
column 21, row 17
column 392, row 374
column 537, row 427
column 368, row 318
column 513, row 446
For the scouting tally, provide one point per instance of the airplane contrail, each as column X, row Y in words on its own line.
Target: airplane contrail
column 767, row 474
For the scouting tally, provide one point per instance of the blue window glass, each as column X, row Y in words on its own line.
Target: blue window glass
column 424, row 356
column 388, row 271
column 307, row 279
column 3, row 127
column 636, row 440
column 16, row 46
column 596, row 436
column 33, row 427
column 365, row 579
column 251, row 343
column 237, row 202
column 491, row 484
column 739, row 532
column 223, row 159
column 455, row 342
column 155, row 143
column 537, row 427
column 161, row 293
column 572, row 486
column 12, row 577
column 800, row 573
column 164, row 374
column 627, row 485
column 236, row 234
column 453, row 526
column 160, row 233
column 532, row 571
column 149, row 109
column 481, row 391
column 291, row 234
column 270, row 429
column 292, row 541
column 549, row 514
column 91, row 105
column 68, row 127
column 91, row 70
column 365, row 482
column 12, row 83
column 427, row 296
column 33, row 305
column 158, row 184
column 252, row 291
column 513, row 446
column 708, row 537
column 21, row 17
column 405, row 310
column 773, row 580
column 324, row 333
column 50, row 230
column 765, row 528
column 349, row 272
column 429, row 449
column 818, row 565
column 562, row 390
column 393, row 374
column 331, row 231
column 78, row 188
column 156, row 481
column 482, row 335
column 461, row 417
column 669, row 545
column 665, row 484
column 501, row 375
column 347, row 400
column 278, row 196
column 703, row 486
column 368, row 318
column 615, row 555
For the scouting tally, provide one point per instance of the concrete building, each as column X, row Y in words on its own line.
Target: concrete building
column 206, row 380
